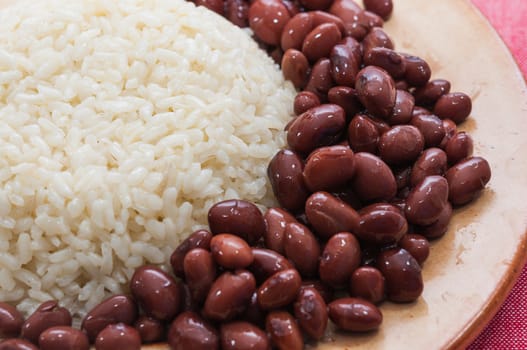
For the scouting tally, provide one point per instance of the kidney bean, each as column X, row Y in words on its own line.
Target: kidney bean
column 450, row 130
column 459, row 147
column 267, row 19
column 417, row 245
column 320, row 80
column 237, row 12
column 285, row 172
column 213, row 5
column 237, row 217
column 431, row 127
column 418, row 110
column 402, row 110
column 156, row 292
column 403, row 85
column 382, row 8
column 340, row 257
column 346, row 98
column 319, row 42
column 190, row 331
column 63, row 338
column 376, row 91
column 373, row 180
column 466, row 179
column 11, row 321
column 295, row 67
column 329, row 215
column 354, row 314
column 279, row 290
column 301, row 248
column 344, row 62
column 363, row 135
column 150, row 330
column 347, row 10
column 316, row 4
column 276, row 54
column 231, row 251
column 317, row 127
column 325, row 291
column 284, row 331
column 392, row 62
column 229, row 295
column 381, row 223
column 118, row 336
column 402, row 144
column 440, row 226
column 329, row 168
column 17, row 344
column 275, row 221
column 305, row 100
column 433, row 161
column 292, row 6
column 311, row 312
column 428, row 94
column 418, row 71
column 115, row 309
column 198, row 239
column 367, row 283
column 48, row 314
column 241, row 335
column 454, row 105
column 200, row 272
column 372, row 19
column 402, row 275
column 426, row 200
column 376, row 38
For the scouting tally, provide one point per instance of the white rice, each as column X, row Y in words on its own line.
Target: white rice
column 121, row 123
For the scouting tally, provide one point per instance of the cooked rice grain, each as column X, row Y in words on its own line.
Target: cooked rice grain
column 121, row 123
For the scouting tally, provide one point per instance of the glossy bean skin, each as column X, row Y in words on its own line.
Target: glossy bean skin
column 320, row 41
column 367, row 283
column 466, row 179
column 63, row 338
column 213, row 5
column 301, row 248
column 200, row 272
column 118, row 336
column 363, row 135
column 324, row 290
column 402, row 110
column 376, row 91
column 373, row 180
column 230, row 251
column 329, row 215
column 376, row 38
column 48, row 314
column 348, row 11
column 346, row 98
column 382, row 8
column 284, row 331
column 400, row 145
column 267, row 18
column 304, row 100
column 295, row 67
column 275, row 221
column 115, row 309
column 150, row 330
column 344, row 63
column 402, row 274
column 311, row 312
column 17, row 344
column 198, row 239
column 340, row 257
column 317, row 127
column 11, row 321
column 417, row 245
column 439, row 227
column 389, row 60
column 190, row 331
column 426, row 200
column 240, row 335
column 320, row 79
column 237, row 12
column 329, row 168
column 459, row 147
column 428, row 94
column 279, row 290
column 450, row 130
column 354, row 314
column 433, row 161
column 381, row 223
column 418, row 71
column 431, row 127
column 238, row 217
column 267, row 262
column 229, row 295
column 454, row 105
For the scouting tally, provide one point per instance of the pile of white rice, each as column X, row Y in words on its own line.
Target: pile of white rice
column 121, row 123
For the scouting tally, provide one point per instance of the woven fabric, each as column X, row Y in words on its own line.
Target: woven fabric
column 508, row 329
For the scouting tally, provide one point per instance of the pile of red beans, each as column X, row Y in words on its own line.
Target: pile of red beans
column 374, row 166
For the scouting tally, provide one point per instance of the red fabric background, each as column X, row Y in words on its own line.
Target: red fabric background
column 508, row 329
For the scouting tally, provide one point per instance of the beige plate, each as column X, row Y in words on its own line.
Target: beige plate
column 474, row 266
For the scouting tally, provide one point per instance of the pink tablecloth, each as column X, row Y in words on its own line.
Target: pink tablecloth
column 508, row 329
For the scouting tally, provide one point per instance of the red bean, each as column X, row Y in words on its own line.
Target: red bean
column 11, row 321
column 440, row 226
column 367, row 283
column 345, row 63
column 237, row 12
column 63, row 338
column 346, row 98
column 454, row 105
column 320, row 41
column 305, row 100
column 241, row 335
column 363, row 135
column 296, row 30
column 450, row 130
column 383, row 8
column 17, row 344
column 376, row 38
column 329, row 168
column 402, row 110
column 316, row 4
column 190, row 331
column 301, row 248
column 392, row 62
column 198, row 239
column 459, row 147
column 416, row 245
column 324, row 290
column 284, row 331
column 376, row 91
column 417, row 70
column 230, row 251
column 428, row 94
column 295, row 67
column 402, row 274
column 433, row 161
column 431, row 127
column 341, row 256
column 275, row 221
column 279, row 290
column 401, row 145
column 320, row 80
column 311, row 312
column 426, row 200
column 150, row 330
column 373, row 180
column 267, row 19
column 48, row 314
column 354, row 314
column 200, row 273
column 213, row 5
column 381, row 223
column 118, row 336
column 466, row 179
